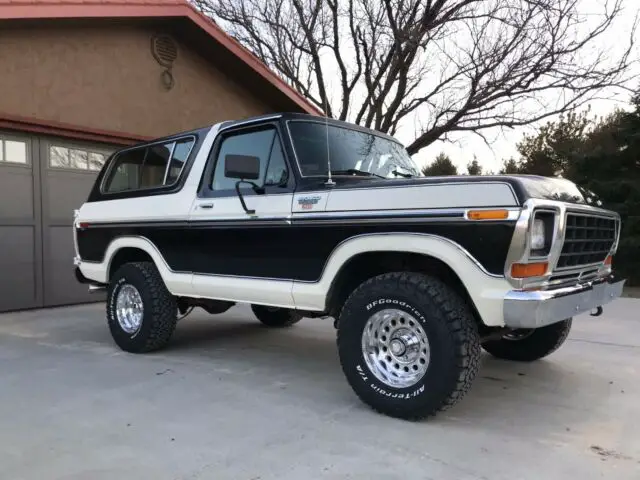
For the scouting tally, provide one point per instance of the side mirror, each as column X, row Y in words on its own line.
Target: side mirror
column 244, row 167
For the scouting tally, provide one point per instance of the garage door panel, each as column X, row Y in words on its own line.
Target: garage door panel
column 66, row 191
column 61, row 286
column 68, row 171
column 42, row 181
column 20, row 231
column 16, row 193
column 18, row 267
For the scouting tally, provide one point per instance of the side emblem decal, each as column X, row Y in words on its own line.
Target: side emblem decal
column 307, row 203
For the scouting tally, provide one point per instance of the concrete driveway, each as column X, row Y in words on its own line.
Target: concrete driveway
column 231, row 399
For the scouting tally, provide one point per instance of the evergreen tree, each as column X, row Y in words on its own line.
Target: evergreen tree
column 610, row 168
column 555, row 146
column 509, row 167
column 474, row 168
column 441, row 166
column 603, row 158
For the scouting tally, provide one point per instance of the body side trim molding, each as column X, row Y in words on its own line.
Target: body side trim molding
column 483, row 288
column 151, row 245
column 340, row 217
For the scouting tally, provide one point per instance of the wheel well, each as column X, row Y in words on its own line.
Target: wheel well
column 127, row 255
column 367, row 265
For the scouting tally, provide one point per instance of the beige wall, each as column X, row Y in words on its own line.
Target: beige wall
column 106, row 78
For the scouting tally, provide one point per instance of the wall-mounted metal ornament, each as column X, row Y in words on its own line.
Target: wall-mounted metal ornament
column 165, row 50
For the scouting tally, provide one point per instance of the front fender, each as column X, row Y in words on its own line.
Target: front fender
column 487, row 291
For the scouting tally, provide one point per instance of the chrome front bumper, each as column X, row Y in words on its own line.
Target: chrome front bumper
column 534, row 309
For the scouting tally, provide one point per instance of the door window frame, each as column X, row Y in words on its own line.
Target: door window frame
column 206, row 180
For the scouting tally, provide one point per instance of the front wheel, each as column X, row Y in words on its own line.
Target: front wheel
column 408, row 345
column 528, row 345
column 275, row 316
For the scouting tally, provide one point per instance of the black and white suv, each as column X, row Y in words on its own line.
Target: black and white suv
column 301, row 216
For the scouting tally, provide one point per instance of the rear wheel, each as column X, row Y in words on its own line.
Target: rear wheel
column 408, row 345
column 276, row 316
column 141, row 312
column 528, row 345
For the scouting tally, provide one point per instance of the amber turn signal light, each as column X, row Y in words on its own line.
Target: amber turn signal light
column 609, row 260
column 528, row 270
column 487, row 214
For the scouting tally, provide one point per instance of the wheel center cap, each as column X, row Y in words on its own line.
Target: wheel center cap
column 397, row 347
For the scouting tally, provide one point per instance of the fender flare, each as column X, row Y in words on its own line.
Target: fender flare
column 486, row 290
column 177, row 282
column 141, row 243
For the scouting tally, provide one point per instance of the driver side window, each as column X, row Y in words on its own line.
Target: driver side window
column 264, row 144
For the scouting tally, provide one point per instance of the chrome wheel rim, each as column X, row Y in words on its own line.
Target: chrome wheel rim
column 395, row 348
column 129, row 308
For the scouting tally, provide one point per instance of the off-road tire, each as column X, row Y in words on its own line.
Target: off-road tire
column 541, row 342
column 449, row 326
column 159, row 308
column 276, row 317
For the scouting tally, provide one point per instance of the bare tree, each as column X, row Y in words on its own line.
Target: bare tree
column 443, row 66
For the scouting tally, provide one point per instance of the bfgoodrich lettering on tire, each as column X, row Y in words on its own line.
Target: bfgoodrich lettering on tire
column 141, row 312
column 408, row 345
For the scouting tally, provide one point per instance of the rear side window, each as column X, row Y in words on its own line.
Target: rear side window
column 151, row 166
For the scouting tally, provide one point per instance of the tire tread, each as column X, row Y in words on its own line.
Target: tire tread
column 163, row 309
column 543, row 342
column 460, row 323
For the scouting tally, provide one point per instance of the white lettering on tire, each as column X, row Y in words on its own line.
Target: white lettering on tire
column 396, row 303
column 361, row 372
column 404, row 396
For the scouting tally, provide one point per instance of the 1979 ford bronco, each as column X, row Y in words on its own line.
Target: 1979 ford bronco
column 302, row 216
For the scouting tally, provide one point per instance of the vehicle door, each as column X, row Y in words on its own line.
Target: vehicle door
column 240, row 250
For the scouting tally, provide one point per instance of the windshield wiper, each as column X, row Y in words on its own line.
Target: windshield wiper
column 356, row 172
column 400, row 174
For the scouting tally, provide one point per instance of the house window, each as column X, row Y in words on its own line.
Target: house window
column 13, row 151
column 76, row 158
column 152, row 166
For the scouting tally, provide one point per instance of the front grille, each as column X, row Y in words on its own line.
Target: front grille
column 588, row 240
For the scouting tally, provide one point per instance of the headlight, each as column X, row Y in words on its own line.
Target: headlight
column 538, row 235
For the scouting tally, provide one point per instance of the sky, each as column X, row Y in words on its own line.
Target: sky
column 502, row 143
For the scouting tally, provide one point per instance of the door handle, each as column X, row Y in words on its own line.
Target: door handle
column 206, row 205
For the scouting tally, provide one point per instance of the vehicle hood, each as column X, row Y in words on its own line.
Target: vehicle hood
column 527, row 186
column 524, row 187
column 553, row 188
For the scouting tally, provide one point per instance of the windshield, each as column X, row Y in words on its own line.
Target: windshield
column 350, row 152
